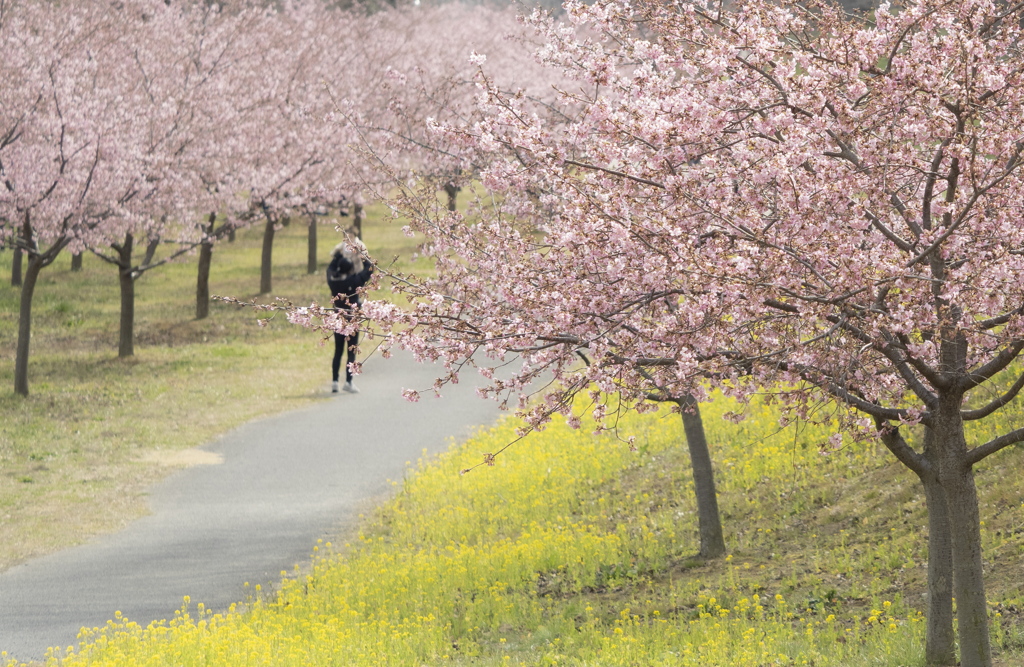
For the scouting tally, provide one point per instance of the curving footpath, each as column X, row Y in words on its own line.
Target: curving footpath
column 285, row 482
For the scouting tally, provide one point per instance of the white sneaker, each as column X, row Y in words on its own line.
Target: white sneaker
column 351, row 388
column 334, row 387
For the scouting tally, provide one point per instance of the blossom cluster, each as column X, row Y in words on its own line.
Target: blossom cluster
column 142, row 117
column 781, row 193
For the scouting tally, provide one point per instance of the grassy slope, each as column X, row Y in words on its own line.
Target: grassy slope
column 572, row 551
column 575, row 551
column 77, row 455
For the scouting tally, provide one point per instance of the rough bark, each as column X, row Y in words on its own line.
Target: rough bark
column 126, row 278
column 203, row 278
column 311, row 253
column 151, row 248
column 35, row 265
column 357, row 220
column 266, row 278
column 968, row 579
column 940, row 645
column 956, row 476
column 76, row 261
column 16, row 278
column 940, row 640
column 37, row 260
column 712, row 541
column 452, row 191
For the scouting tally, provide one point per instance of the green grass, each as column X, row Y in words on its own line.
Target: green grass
column 573, row 550
column 77, row 455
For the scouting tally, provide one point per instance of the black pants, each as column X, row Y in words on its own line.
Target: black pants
column 339, row 347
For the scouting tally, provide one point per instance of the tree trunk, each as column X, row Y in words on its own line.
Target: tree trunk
column 231, row 235
column 452, row 191
column 16, row 267
column 150, row 251
column 357, row 219
column 35, row 265
column 126, row 341
column 940, row 640
column 268, row 252
column 957, row 479
column 76, row 261
column 968, row 579
column 203, row 279
column 712, row 542
column 311, row 254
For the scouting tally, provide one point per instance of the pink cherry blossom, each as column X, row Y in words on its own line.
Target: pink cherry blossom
column 766, row 197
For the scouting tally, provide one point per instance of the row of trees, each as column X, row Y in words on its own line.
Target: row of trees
column 755, row 196
column 148, row 123
column 759, row 197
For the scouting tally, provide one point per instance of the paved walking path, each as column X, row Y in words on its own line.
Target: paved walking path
column 285, row 482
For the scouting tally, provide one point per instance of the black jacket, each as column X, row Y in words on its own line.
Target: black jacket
column 343, row 283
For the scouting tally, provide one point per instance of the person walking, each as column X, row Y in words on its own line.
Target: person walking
column 346, row 273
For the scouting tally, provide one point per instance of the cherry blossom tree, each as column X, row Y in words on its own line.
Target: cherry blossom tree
column 763, row 197
column 424, row 71
column 189, row 64
column 297, row 160
column 62, row 161
column 16, row 105
column 216, row 54
column 413, row 65
column 222, row 116
column 137, row 108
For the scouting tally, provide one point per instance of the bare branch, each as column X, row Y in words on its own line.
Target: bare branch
column 998, row 363
column 1009, row 395
column 929, row 187
column 888, row 233
column 893, row 440
column 613, row 172
column 867, row 407
column 993, row 322
column 994, row 445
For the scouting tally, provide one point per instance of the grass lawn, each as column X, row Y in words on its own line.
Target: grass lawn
column 78, row 454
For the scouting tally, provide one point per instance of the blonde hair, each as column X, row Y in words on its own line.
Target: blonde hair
column 352, row 250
